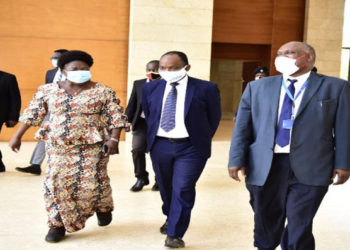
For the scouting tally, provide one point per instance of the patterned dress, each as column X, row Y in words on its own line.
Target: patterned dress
column 76, row 182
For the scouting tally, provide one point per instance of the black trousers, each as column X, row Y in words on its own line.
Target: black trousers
column 284, row 197
column 139, row 144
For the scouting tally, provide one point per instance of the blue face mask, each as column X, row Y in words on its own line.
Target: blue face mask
column 78, row 76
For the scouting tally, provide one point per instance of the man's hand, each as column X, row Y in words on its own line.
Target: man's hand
column 10, row 123
column 342, row 176
column 233, row 172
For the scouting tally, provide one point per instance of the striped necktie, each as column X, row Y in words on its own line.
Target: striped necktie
column 167, row 122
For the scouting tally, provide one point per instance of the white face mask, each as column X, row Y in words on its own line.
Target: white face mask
column 286, row 65
column 54, row 62
column 78, row 76
column 173, row 76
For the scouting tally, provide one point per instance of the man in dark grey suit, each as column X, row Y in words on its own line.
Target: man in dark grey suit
column 10, row 104
column 38, row 156
column 291, row 140
column 139, row 127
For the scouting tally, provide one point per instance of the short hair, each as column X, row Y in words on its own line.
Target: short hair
column 60, row 51
column 262, row 70
column 153, row 62
column 182, row 55
column 310, row 49
column 74, row 55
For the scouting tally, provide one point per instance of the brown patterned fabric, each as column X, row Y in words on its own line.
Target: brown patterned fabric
column 76, row 183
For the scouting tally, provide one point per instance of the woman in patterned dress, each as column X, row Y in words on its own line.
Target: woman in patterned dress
column 85, row 119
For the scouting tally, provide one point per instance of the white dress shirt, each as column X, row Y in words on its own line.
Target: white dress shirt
column 301, row 80
column 180, row 130
column 59, row 76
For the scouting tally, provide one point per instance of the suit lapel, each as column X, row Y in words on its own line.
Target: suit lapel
column 139, row 90
column 274, row 92
column 191, row 86
column 310, row 91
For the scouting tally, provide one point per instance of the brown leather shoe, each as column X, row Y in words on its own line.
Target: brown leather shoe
column 55, row 234
column 174, row 242
column 103, row 219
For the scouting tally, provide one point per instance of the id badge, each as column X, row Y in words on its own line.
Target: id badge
column 287, row 124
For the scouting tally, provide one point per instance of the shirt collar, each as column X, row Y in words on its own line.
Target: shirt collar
column 301, row 79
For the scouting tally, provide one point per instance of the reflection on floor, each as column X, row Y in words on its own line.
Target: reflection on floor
column 221, row 219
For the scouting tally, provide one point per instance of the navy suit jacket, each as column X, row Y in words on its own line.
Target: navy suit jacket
column 134, row 108
column 320, row 139
column 202, row 111
column 10, row 98
column 50, row 75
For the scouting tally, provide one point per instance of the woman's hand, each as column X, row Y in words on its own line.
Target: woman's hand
column 15, row 143
column 113, row 147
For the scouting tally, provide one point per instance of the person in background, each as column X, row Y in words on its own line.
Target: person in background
column 83, row 130
column 10, row 104
column 261, row 72
column 291, row 140
column 139, row 127
column 182, row 115
column 38, row 155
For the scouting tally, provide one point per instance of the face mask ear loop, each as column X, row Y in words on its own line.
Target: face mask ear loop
column 303, row 63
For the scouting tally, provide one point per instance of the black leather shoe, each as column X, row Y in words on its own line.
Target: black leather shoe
column 32, row 169
column 2, row 166
column 139, row 185
column 174, row 242
column 103, row 219
column 164, row 229
column 155, row 187
column 55, row 234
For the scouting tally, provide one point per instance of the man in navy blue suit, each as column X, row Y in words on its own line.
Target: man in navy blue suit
column 10, row 104
column 38, row 156
column 182, row 115
column 291, row 139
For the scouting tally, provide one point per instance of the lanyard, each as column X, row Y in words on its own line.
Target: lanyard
column 294, row 98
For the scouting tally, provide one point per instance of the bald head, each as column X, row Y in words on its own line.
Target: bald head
column 303, row 53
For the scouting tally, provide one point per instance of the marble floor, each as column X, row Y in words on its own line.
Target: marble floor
column 221, row 218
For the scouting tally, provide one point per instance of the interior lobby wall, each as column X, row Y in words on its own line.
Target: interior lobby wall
column 31, row 30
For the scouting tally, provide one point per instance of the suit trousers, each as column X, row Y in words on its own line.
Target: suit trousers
column 177, row 166
column 284, row 197
column 39, row 152
column 139, row 144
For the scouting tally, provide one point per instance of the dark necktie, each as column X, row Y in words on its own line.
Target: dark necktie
column 167, row 122
column 283, row 134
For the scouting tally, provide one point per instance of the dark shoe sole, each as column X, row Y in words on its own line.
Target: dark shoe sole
column 2, row 167
column 174, row 243
column 51, row 239
column 139, row 188
column 26, row 171
column 104, row 219
column 55, row 235
column 164, row 229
